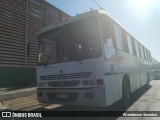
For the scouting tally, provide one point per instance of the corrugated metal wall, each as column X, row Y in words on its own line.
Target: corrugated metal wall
column 20, row 22
column 12, row 32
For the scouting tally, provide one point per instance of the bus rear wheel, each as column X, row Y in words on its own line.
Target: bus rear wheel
column 126, row 92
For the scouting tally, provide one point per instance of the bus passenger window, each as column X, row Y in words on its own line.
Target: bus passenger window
column 150, row 58
column 133, row 46
column 144, row 53
column 141, row 48
column 129, row 44
column 107, row 33
column 124, row 39
column 148, row 55
column 137, row 48
column 118, row 37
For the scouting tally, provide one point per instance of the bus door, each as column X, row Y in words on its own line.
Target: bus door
column 110, row 64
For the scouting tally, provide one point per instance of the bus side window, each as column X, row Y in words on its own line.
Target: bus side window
column 150, row 58
column 141, row 49
column 107, row 29
column 129, row 44
column 145, row 55
column 107, row 32
column 148, row 55
column 133, row 46
column 125, row 42
column 118, row 37
column 137, row 48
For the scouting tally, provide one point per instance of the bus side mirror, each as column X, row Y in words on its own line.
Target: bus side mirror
column 28, row 48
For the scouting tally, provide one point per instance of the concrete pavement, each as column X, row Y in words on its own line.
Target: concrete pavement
column 13, row 93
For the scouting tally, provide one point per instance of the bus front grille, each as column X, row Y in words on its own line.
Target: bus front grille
column 66, row 76
column 64, row 83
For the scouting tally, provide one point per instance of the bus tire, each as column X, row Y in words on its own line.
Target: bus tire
column 126, row 92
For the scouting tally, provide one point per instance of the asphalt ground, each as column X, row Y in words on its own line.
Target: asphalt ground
column 11, row 93
column 144, row 99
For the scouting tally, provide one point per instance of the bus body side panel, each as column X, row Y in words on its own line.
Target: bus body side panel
column 112, row 77
column 127, row 65
column 136, row 68
column 143, row 68
column 112, row 88
column 100, row 74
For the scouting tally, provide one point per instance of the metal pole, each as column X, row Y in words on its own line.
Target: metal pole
column 26, row 34
column 46, row 15
column 98, row 4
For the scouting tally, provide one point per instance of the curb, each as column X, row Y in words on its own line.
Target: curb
column 17, row 94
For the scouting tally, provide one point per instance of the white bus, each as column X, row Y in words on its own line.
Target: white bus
column 90, row 60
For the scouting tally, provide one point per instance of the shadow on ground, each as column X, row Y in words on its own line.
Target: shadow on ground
column 115, row 107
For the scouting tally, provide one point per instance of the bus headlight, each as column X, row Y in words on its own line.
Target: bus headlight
column 88, row 82
column 99, row 82
column 42, row 84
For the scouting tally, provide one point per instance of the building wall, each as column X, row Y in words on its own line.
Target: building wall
column 20, row 22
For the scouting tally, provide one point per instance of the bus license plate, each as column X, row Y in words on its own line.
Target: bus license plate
column 62, row 96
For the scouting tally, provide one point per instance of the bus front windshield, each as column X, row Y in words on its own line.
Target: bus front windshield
column 73, row 42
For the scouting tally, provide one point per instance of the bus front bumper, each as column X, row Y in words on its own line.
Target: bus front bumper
column 73, row 96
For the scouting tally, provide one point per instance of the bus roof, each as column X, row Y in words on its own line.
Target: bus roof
column 82, row 16
column 73, row 19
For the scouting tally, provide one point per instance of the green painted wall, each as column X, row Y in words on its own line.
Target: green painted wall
column 17, row 76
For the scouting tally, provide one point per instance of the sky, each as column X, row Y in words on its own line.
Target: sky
column 141, row 18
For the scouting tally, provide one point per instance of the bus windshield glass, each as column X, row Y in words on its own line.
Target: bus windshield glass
column 73, row 42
